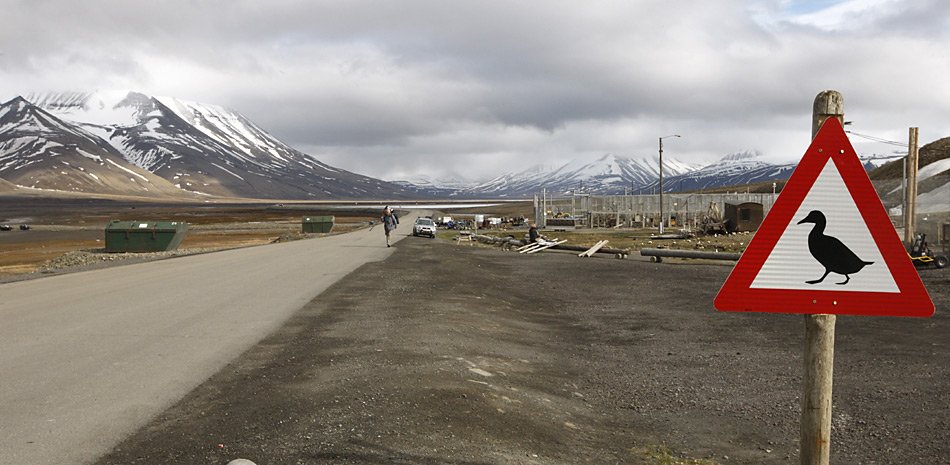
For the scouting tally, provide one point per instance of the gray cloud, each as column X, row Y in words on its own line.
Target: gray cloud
column 480, row 88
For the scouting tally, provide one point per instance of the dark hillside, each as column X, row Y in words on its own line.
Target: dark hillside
column 934, row 151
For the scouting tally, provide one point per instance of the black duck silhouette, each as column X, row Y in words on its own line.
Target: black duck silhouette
column 829, row 251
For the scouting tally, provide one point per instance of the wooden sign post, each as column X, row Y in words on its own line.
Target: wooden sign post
column 828, row 220
column 819, row 357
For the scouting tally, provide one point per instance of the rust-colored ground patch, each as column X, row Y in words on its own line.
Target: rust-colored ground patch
column 26, row 257
column 58, row 228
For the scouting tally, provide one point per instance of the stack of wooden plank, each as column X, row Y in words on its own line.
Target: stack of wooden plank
column 539, row 246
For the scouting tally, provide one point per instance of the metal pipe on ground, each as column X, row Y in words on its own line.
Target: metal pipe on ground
column 494, row 240
column 657, row 254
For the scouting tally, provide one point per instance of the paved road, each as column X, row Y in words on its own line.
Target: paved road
column 87, row 358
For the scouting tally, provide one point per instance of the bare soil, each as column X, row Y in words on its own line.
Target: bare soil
column 454, row 354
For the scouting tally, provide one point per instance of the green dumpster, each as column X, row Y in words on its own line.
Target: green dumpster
column 144, row 236
column 317, row 224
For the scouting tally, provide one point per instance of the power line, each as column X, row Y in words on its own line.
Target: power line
column 878, row 139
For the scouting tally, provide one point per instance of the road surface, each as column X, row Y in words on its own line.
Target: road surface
column 87, row 358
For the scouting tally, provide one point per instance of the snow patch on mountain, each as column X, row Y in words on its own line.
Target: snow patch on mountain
column 96, row 108
column 608, row 174
column 742, row 167
column 933, row 169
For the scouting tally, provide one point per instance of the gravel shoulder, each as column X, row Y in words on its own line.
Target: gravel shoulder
column 447, row 354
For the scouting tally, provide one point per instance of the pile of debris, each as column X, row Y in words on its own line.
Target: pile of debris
column 78, row 258
column 510, row 243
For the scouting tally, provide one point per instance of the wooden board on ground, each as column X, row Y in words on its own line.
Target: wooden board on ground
column 465, row 236
column 527, row 246
column 591, row 251
column 535, row 245
column 546, row 246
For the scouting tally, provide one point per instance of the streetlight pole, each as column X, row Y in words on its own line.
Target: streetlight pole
column 661, row 179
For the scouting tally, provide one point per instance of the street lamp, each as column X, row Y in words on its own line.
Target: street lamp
column 661, row 179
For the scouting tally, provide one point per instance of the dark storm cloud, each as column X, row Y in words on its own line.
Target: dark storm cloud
column 436, row 86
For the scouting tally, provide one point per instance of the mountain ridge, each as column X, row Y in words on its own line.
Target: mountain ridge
column 40, row 151
column 130, row 143
column 206, row 149
column 614, row 174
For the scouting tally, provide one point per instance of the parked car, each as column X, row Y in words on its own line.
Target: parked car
column 24, row 227
column 423, row 227
column 6, row 227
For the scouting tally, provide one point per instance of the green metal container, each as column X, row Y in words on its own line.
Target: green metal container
column 317, row 224
column 144, row 236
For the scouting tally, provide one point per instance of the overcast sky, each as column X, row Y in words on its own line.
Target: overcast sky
column 397, row 88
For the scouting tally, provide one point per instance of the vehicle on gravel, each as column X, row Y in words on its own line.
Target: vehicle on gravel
column 6, row 227
column 921, row 254
column 424, row 227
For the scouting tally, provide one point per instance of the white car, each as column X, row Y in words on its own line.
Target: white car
column 423, row 227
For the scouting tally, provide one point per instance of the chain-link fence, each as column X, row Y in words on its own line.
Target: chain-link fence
column 679, row 210
column 692, row 210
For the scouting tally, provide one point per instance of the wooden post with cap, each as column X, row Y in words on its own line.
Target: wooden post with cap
column 819, row 353
column 910, row 196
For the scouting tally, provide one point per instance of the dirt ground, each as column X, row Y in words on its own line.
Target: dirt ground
column 448, row 354
column 455, row 354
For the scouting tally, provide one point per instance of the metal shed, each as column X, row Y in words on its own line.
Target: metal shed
column 744, row 216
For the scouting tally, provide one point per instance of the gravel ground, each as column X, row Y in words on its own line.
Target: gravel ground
column 448, row 354
column 92, row 259
column 84, row 258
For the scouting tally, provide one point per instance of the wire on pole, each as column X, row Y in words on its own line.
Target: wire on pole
column 878, row 139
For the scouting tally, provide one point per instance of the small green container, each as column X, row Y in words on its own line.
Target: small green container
column 317, row 224
column 144, row 236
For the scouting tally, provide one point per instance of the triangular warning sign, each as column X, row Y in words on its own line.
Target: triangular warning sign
column 827, row 245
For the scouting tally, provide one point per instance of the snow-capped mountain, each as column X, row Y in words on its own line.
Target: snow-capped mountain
column 609, row 174
column 121, row 142
column 205, row 149
column 40, row 151
column 442, row 186
column 738, row 168
column 873, row 161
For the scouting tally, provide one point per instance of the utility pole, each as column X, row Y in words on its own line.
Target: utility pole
column 661, row 179
column 544, row 208
column 910, row 194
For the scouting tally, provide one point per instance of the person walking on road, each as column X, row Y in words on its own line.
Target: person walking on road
column 390, row 221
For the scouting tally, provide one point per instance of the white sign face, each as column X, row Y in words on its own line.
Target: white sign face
column 792, row 265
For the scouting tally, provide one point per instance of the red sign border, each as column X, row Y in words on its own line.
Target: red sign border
column 832, row 143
